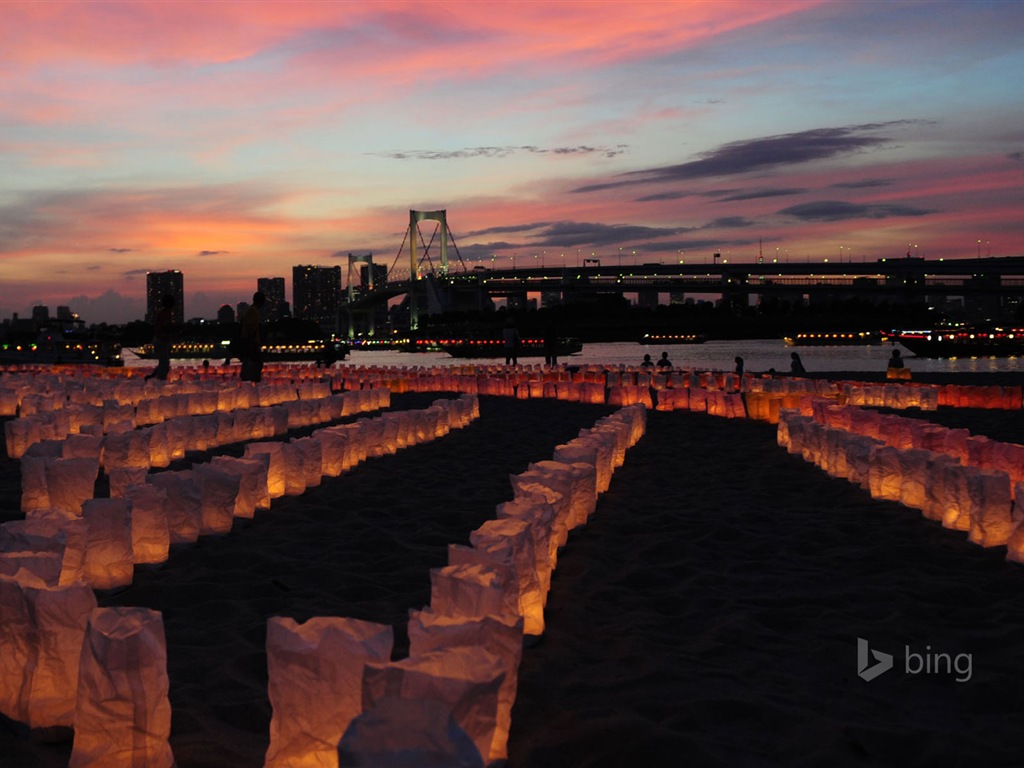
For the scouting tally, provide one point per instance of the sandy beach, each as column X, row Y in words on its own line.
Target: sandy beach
column 708, row 614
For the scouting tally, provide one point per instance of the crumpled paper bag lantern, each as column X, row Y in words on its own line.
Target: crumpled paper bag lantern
column 510, row 541
column 218, row 491
column 42, row 566
column 108, row 553
column 277, row 467
column 70, row 482
column 252, row 484
column 402, row 733
column 991, row 519
column 120, row 478
column 473, row 589
column 122, row 715
column 151, row 537
column 466, row 680
column 315, row 684
column 540, row 516
column 312, row 459
column 40, row 644
column 184, row 504
column 429, row 632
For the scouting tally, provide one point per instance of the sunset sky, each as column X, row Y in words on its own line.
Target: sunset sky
column 233, row 140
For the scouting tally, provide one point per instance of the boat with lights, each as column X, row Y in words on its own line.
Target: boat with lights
column 660, row 339
column 284, row 341
column 964, row 341
column 66, row 343
column 835, row 338
column 491, row 347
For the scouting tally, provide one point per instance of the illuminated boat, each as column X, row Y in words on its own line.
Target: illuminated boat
column 528, row 347
column 285, row 341
column 673, row 338
column 964, row 341
column 836, row 338
column 65, row 344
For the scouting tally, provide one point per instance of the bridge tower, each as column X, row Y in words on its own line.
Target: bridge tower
column 354, row 261
column 415, row 217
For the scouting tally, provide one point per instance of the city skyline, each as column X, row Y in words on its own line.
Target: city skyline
column 234, row 140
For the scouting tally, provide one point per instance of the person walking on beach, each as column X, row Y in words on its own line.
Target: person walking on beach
column 163, row 336
column 550, row 347
column 739, row 366
column 647, row 363
column 511, row 337
column 250, row 344
column 664, row 362
column 795, row 365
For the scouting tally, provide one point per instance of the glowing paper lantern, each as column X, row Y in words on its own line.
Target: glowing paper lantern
column 465, row 679
column 108, row 552
column 35, row 493
column 151, row 537
column 122, row 714
column 40, row 644
column 991, row 522
column 510, row 541
column 125, row 449
column 399, row 733
column 218, row 493
column 184, row 505
column 42, row 566
column 312, row 459
column 540, row 516
column 295, row 469
column 122, row 477
column 429, row 632
column 252, row 484
column 315, row 684
column 70, row 482
column 473, row 590
column 273, row 455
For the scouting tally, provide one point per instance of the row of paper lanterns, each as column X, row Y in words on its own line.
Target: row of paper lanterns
column 338, row 698
column 66, row 663
column 962, row 497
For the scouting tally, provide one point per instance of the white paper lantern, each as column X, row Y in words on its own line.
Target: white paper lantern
column 429, row 632
column 122, row 477
column 40, row 643
column 108, row 552
column 184, row 504
column 315, row 684
column 277, row 469
column 70, row 482
column 122, row 714
column 218, row 493
column 252, row 484
column 466, row 680
column 151, row 536
column 511, row 541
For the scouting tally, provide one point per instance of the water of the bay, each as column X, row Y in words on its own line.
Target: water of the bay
column 759, row 355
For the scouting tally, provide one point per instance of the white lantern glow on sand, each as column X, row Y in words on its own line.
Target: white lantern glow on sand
column 315, row 684
column 122, row 714
column 151, row 537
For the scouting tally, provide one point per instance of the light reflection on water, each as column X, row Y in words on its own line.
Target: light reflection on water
column 758, row 355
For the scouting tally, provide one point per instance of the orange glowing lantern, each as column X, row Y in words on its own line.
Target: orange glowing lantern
column 122, row 714
column 108, row 554
column 510, row 542
column 184, row 505
column 218, row 493
column 40, row 644
column 273, row 455
column 151, row 537
column 315, row 683
column 430, row 632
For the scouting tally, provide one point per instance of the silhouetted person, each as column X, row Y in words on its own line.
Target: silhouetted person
column 250, row 345
column 511, row 338
column 664, row 362
column 163, row 337
column 896, row 361
column 795, row 365
column 647, row 363
column 550, row 347
column 739, row 365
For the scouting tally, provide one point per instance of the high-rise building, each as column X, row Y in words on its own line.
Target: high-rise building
column 273, row 289
column 160, row 284
column 316, row 293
